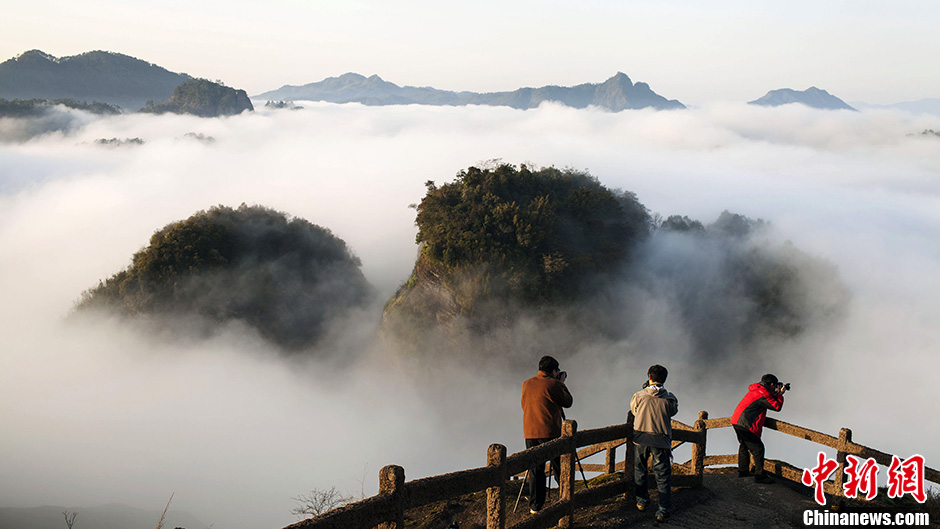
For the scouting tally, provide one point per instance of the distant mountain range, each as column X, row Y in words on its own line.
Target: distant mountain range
column 615, row 94
column 922, row 106
column 130, row 83
column 811, row 97
column 113, row 516
column 94, row 76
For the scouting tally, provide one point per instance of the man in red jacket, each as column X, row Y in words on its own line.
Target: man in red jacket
column 748, row 423
column 543, row 397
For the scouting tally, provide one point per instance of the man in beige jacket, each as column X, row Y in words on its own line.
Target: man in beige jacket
column 653, row 408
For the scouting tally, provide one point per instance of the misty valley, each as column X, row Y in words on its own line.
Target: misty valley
column 243, row 308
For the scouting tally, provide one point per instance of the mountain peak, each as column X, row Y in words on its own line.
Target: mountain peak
column 620, row 78
column 352, row 76
column 35, row 54
column 812, row 97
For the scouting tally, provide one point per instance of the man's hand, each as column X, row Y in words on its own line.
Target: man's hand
column 562, row 376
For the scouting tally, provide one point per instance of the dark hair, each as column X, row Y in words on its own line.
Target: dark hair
column 658, row 374
column 548, row 364
column 769, row 381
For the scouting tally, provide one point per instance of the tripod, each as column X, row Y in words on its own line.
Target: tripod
column 525, row 477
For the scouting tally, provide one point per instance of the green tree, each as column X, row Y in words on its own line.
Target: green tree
column 284, row 276
column 539, row 234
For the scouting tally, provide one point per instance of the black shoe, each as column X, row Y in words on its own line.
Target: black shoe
column 762, row 478
column 661, row 517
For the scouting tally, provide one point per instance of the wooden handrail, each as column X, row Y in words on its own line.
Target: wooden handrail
column 843, row 446
column 386, row 509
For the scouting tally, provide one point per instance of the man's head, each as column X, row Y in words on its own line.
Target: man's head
column 548, row 365
column 769, row 381
column 658, row 374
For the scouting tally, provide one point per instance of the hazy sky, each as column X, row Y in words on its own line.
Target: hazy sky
column 97, row 412
column 878, row 51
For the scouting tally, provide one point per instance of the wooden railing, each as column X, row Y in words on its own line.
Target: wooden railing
column 842, row 444
column 386, row 510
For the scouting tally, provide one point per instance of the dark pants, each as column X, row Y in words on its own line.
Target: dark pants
column 662, row 470
column 537, row 477
column 751, row 444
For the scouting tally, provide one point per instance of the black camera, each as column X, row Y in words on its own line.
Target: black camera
column 562, row 374
column 782, row 385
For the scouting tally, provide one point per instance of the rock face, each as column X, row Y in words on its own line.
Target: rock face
column 203, row 98
column 811, row 97
column 94, row 76
column 286, row 278
column 616, row 94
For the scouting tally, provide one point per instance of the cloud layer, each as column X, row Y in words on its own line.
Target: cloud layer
column 97, row 412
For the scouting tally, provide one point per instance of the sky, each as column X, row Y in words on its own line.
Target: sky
column 876, row 52
column 101, row 412
column 96, row 411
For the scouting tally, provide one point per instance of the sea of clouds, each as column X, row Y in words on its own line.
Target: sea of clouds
column 95, row 411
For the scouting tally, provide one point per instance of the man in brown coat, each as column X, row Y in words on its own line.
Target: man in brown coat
column 543, row 397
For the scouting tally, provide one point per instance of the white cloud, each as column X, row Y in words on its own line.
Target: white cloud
column 98, row 413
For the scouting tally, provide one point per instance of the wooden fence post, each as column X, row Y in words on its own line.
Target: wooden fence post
column 628, row 457
column 698, row 449
column 392, row 483
column 495, row 496
column 610, row 460
column 566, row 487
column 845, row 437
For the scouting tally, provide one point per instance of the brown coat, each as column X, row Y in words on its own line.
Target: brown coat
column 543, row 397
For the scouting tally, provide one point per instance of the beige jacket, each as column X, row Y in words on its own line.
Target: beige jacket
column 653, row 408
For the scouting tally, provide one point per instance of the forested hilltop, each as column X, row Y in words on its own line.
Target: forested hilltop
column 521, row 259
column 284, row 277
column 93, row 76
column 202, row 98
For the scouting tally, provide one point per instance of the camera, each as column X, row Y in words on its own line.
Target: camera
column 782, row 386
column 562, row 374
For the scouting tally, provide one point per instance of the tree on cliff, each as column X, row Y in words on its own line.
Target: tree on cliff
column 500, row 239
column 537, row 234
column 285, row 277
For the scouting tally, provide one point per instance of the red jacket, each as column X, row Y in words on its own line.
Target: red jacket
column 752, row 410
column 543, row 397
